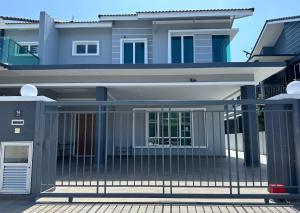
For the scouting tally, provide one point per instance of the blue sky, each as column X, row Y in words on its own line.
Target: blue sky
column 89, row 9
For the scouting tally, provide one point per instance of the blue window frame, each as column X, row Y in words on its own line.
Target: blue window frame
column 221, row 48
column 134, row 52
column 182, row 49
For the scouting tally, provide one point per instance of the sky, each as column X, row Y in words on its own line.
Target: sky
column 249, row 27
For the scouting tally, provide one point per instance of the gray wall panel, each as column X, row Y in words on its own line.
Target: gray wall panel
column 67, row 36
column 23, row 36
column 288, row 42
column 209, row 131
column 132, row 31
column 203, row 43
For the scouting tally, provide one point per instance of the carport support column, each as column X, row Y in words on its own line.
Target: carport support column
column 101, row 95
column 250, row 130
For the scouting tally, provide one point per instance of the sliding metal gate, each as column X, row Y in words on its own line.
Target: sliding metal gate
column 182, row 149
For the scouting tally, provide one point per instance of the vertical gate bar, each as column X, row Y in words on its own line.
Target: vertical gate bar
column 107, row 114
column 259, row 158
column 70, row 148
column 228, row 148
column 84, row 148
column 199, row 149
column 134, row 158
column 213, row 144
column 148, row 161
column 244, row 149
column 77, row 147
column 49, row 149
column 99, row 112
column 281, row 147
column 236, row 150
column 127, row 145
column 207, row 161
column 155, row 146
column 221, row 123
column 178, row 147
column 170, row 153
column 288, row 148
column 142, row 161
column 163, row 150
column 40, row 121
column 184, row 145
column 273, row 144
column 251, row 147
column 92, row 144
column 63, row 147
column 113, row 148
column 192, row 144
column 120, row 147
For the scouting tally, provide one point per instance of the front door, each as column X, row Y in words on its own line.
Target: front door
column 15, row 167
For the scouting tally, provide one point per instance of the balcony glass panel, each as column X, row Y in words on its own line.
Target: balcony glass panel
column 12, row 53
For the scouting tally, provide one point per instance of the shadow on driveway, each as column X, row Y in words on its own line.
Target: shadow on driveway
column 21, row 205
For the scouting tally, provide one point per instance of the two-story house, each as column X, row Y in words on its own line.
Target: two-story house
column 146, row 55
column 155, row 55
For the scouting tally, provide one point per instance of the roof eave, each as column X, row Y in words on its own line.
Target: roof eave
column 235, row 14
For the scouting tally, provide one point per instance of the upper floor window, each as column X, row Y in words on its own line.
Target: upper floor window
column 85, row 48
column 134, row 51
column 221, row 48
column 182, row 49
column 26, row 48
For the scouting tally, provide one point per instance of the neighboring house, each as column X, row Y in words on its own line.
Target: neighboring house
column 163, row 55
column 279, row 41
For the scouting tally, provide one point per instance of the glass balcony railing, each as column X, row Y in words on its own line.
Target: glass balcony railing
column 12, row 53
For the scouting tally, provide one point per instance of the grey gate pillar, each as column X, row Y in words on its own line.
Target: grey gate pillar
column 280, row 130
column 101, row 95
column 22, row 120
column 250, row 128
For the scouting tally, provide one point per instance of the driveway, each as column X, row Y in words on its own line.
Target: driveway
column 87, row 205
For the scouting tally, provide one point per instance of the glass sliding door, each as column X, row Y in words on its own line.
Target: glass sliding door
column 139, row 53
column 182, row 49
column 134, row 52
column 176, row 49
column 221, row 48
column 188, row 47
column 128, row 53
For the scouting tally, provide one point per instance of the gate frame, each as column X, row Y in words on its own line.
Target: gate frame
column 39, row 133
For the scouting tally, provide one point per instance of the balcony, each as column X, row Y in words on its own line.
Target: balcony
column 12, row 53
column 268, row 91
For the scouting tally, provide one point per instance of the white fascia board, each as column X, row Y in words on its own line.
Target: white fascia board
column 19, row 26
column 84, row 25
column 154, row 84
column 236, row 14
column 269, row 36
column 192, row 21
